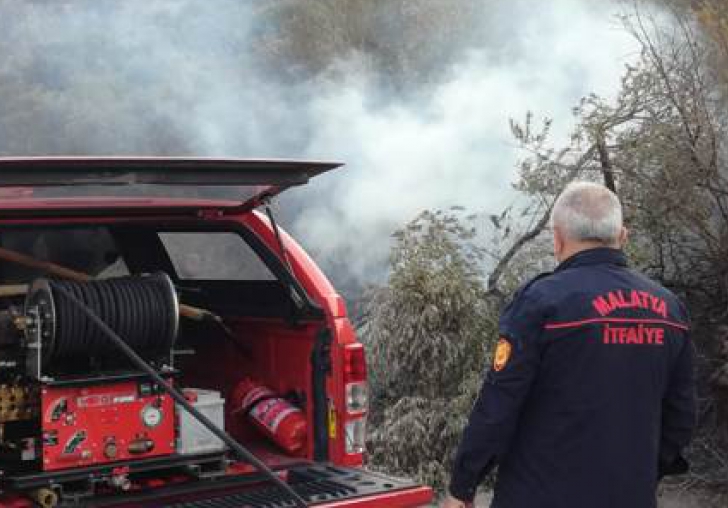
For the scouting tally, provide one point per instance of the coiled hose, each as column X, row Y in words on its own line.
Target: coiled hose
column 144, row 310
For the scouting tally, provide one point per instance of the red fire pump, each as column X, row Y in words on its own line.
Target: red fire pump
column 94, row 409
column 271, row 414
column 103, row 423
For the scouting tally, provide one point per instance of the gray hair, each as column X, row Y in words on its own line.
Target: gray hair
column 587, row 211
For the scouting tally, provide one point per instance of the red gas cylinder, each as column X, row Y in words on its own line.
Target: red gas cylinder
column 274, row 416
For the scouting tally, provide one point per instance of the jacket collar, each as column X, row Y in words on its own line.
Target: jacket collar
column 597, row 256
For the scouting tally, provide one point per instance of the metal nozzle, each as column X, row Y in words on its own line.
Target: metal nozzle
column 45, row 497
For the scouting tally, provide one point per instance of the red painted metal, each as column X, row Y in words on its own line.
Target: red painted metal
column 16, row 501
column 410, row 498
column 255, row 179
column 304, row 268
column 31, row 204
column 279, row 357
column 100, row 424
column 318, row 287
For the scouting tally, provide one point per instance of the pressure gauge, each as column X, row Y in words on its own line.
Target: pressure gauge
column 151, row 415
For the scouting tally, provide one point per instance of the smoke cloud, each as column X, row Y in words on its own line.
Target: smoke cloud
column 197, row 78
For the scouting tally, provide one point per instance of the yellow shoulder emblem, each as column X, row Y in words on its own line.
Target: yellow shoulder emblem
column 502, row 354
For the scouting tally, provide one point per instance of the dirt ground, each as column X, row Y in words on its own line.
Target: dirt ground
column 675, row 498
column 668, row 498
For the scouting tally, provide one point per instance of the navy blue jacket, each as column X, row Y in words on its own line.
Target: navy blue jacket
column 595, row 400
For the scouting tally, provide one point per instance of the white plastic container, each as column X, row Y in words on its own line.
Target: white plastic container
column 194, row 438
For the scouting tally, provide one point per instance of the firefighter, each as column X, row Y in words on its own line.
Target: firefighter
column 590, row 398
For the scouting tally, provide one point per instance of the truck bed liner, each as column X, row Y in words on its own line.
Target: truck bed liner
column 317, row 484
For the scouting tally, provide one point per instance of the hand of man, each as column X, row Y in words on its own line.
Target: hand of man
column 451, row 502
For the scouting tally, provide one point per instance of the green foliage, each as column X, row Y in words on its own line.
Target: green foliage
column 427, row 333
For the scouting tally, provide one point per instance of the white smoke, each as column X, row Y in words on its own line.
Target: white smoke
column 184, row 77
column 453, row 147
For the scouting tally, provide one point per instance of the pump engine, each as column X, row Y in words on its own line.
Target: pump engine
column 69, row 400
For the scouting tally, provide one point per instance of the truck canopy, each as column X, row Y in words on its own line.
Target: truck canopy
column 166, row 182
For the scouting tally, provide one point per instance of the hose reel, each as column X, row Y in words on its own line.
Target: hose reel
column 144, row 310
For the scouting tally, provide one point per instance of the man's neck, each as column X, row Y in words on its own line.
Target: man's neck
column 575, row 248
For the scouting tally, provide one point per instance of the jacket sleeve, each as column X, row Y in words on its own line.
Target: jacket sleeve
column 495, row 415
column 678, row 413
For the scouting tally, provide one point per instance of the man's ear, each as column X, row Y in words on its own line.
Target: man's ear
column 623, row 236
column 558, row 243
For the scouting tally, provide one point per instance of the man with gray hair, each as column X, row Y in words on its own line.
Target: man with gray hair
column 590, row 398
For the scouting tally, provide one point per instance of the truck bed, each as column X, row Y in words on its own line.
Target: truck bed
column 320, row 485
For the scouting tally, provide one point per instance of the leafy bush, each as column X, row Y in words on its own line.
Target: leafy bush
column 428, row 333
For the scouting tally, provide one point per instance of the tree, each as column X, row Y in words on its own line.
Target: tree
column 406, row 42
column 660, row 145
column 713, row 16
column 428, row 333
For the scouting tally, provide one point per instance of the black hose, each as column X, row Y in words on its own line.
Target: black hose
column 143, row 310
column 138, row 361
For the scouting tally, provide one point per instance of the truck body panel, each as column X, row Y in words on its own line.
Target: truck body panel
column 278, row 350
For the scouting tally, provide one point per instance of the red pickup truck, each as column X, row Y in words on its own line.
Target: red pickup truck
column 163, row 343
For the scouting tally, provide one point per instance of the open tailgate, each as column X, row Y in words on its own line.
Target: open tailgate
column 321, row 485
column 156, row 182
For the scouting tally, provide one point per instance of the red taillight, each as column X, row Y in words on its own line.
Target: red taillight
column 355, row 364
column 357, row 398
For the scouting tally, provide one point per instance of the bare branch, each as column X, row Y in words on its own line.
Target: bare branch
column 535, row 231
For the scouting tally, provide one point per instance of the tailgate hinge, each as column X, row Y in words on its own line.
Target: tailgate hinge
column 209, row 213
